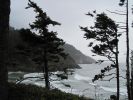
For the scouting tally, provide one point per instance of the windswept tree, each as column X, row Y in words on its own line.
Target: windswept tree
column 51, row 44
column 4, row 28
column 105, row 43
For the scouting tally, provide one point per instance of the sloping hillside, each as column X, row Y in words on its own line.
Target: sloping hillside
column 77, row 55
column 19, row 60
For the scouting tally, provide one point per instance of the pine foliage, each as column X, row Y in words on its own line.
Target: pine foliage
column 51, row 44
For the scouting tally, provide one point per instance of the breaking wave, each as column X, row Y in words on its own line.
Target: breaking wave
column 79, row 77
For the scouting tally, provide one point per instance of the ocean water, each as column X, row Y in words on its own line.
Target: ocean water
column 101, row 89
column 81, row 82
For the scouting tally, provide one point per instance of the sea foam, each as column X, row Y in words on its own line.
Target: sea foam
column 79, row 77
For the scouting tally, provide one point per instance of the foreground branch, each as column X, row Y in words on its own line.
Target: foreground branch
column 18, row 82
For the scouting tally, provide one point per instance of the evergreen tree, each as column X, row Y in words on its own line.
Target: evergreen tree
column 4, row 28
column 51, row 44
column 104, row 33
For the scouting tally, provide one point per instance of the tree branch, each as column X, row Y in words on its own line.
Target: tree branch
column 121, row 32
column 116, row 13
column 121, row 22
column 109, row 79
column 122, row 77
column 120, row 11
column 110, row 74
column 18, row 82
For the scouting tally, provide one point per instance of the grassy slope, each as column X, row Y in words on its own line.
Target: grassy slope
column 31, row 92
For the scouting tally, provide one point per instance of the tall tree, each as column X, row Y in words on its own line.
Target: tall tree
column 4, row 28
column 51, row 44
column 104, row 33
column 126, row 2
column 132, row 73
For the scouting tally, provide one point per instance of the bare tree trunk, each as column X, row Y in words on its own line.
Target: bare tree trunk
column 132, row 75
column 127, row 57
column 4, row 28
column 117, row 72
column 118, row 80
column 46, row 75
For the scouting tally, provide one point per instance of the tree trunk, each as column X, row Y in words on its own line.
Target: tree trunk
column 127, row 57
column 117, row 72
column 132, row 75
column 4, row 28
column 118, row 81
column 46, row 75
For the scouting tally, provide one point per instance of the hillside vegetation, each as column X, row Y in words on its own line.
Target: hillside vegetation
column 21, row 61
column 31, row 92
column 77, row 55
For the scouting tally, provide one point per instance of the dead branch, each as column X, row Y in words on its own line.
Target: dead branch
column 116, row 13
column 121, row 22
column 110, row 74
column 122, row 28
column 18, row 82
column 120, row 11
column 122, row 77
column 109, row 79
column 121, row 32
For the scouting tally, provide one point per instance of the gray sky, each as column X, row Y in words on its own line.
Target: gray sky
column 71, row 14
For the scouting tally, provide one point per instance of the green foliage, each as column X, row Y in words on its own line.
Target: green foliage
column 25, row 47
column 103, row 72
column 42, row 20
column 29, row 37
column 105, row 33
column 31, row 92
column 51, row 44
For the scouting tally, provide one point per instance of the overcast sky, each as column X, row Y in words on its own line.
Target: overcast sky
column 71, row 15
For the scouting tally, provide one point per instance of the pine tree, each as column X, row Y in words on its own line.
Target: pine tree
column 104, row 33
column 51, row 44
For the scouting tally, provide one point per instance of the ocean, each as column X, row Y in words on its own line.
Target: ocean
column 101, row 89
column 81, row 82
